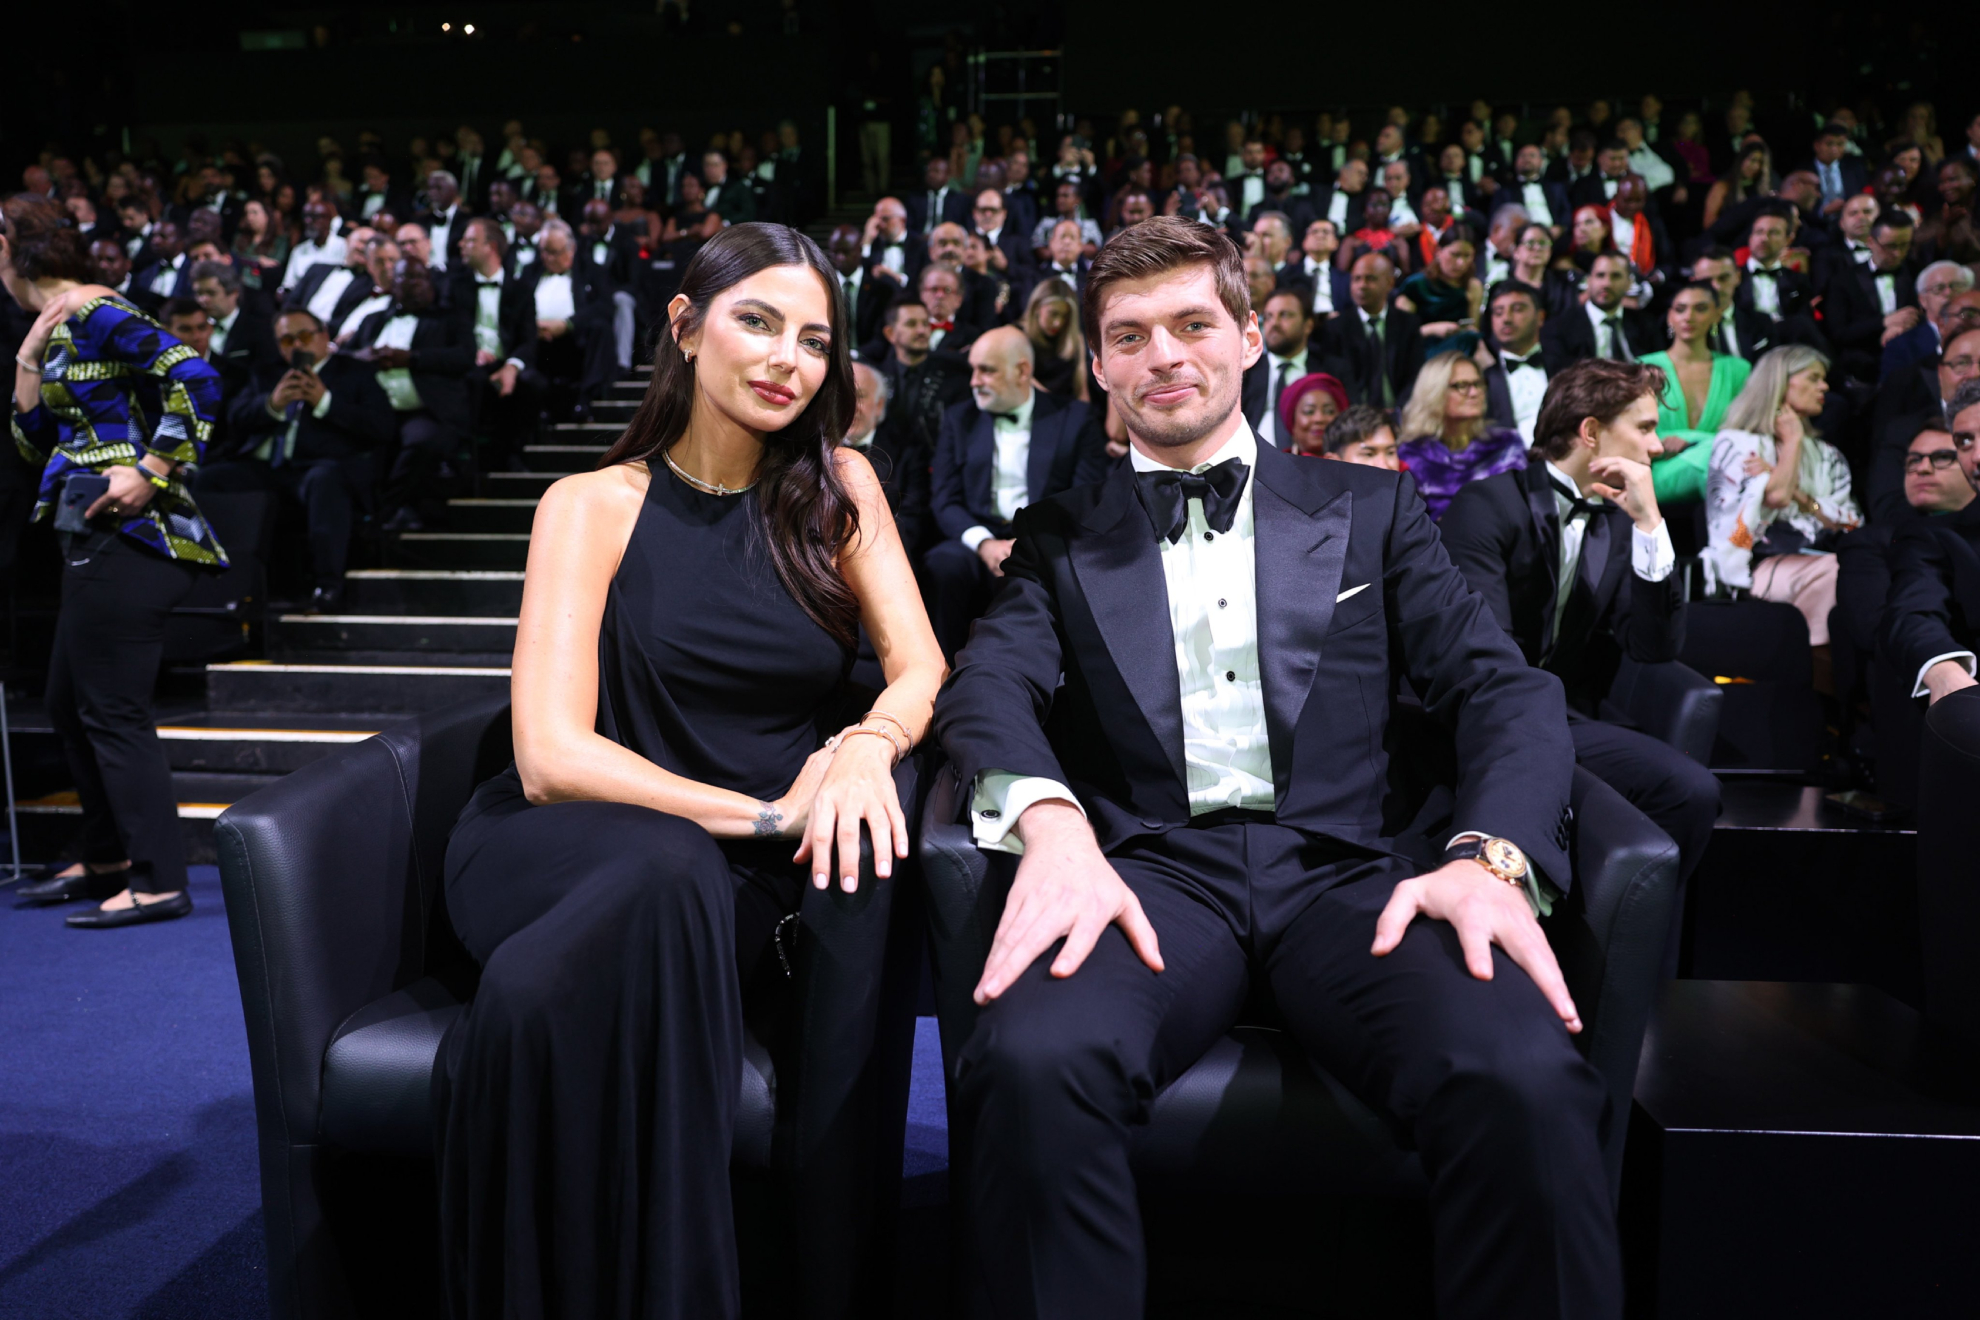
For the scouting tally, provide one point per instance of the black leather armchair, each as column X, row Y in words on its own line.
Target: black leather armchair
column 1948, row 840
column 1256, row 1114
column 350, row 975
column 1671, row 702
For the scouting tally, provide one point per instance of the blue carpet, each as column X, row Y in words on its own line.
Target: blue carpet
column 128, row 1181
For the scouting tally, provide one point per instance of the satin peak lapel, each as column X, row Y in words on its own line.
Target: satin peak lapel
column 1120, row 573
column 1302, row 541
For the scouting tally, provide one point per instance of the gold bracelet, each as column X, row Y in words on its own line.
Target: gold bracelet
column 876, row 733
column 877, row 713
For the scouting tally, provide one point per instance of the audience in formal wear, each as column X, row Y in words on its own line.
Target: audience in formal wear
column 1699, row 385
column 1305, row 410
column 1451, row 441
column 1363, row 434
column 1929, row 622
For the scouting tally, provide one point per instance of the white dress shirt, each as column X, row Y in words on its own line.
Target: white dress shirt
column 1533, row 196
column 1213, row 617
column 1651, row 555
column 554, row 299
column 221, row 329
column 306, row 254
column 167, row 277
column 442, row 235
column 397, row 382
column 324, row 301
column 1280, row 372
column 1599, row 319
column 357, row 316
column 1623, row 230
column 1010, row 474
column 1766, row 292
column 1323, row 286
column 1528, row 388
column 1656, row 171
column 1885, row 282
column 1337, row 209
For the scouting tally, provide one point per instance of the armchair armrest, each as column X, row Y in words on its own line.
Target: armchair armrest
column 966, row 888
column 1671, row 702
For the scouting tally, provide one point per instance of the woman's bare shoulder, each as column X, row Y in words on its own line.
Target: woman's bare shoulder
column 601, row 507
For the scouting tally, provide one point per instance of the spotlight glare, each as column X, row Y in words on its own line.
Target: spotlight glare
column 468, row 28
column 446, row 27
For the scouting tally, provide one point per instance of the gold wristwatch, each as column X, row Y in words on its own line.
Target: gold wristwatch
column 1502, row 857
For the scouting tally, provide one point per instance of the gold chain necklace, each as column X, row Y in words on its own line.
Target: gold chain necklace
column 706, row 487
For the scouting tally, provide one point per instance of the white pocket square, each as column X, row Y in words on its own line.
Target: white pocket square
column 1349, row 592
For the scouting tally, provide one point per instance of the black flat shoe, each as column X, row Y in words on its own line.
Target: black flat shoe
column 69, row 888
column 137, row 914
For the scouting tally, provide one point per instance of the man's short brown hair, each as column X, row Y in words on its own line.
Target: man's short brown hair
column 1157, row 246
column 1594, row 388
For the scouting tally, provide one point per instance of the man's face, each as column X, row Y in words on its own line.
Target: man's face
column 1933, row 289
column 1278, row 177
column 476, row 250
column 1322, row 240
column 1960, row 313
column 1769, row 238
column 1955, row 184
column 1930, row 488
column 194, row 330
column 415, row 243
column 1631, row 195
column 375, row 179
column 1608, row 282
column 1254, row 156
column 1261, row 278
column 316, row 217
column 1375, row 450
column 1066, row 244
column 867, row 408
column 1273, row 238
column 1436, row 204
column 603, row 165
column 381, row 260
column 556, row 252
column 1171, row 356
column 936, row 173
column 1017, row 168
column 440, row 190
column 597, row 217
column 1959, row 363
column 215, row 298
column 945, row 246
column 294, row 332
column 166, row 240
column 1284, row 325
column 1723, row 274
column 989, row 211
column 1470, row 136
column 893, row 219
column 1451, row 160
column 1889, row 246
column 357, row 246
column 1136, row 207
column 1371, row 282
column 1858, row 214
column 1067, row 199
column 1614, row 163
column 909, row 332
column 1515, row 322
column 1388, row 140
column 1829, row 148
column 1506, row 125
column 1530, row 161
column 842, row 249
column 715, row 168
column 109, row 261
column 1395, row 177
column 1966, row 438
column 941, row 291
column 1632, row 435
column 999, row 377
column 501, row 198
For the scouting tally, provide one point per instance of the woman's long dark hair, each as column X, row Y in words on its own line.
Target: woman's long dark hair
column 808, row 515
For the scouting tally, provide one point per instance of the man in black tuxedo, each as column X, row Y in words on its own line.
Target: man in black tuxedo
column 1345, row 201
column 941, row 291
column 922, row 386
column 505, row 391
column 111, row 265
column 1921, row 394
column 936, row 202
column 602, row 184
column 423, row 352
column 167, row 273
column 1867, row 303
column 1841, row 175
column 334, row 292
column 1604, row 328
column 1545, row 198
column 1010, row 445
column 1201, row 823
column 1770, row 286
column 1516, row 377
column 865, row 297
column 1583, row 511
column 900, row 463
column 444, row 219
column 890, row 251
column 376, row 192
column 1313, row 269
column 1598, row 187
column 1932, row 619
column 576, row 349
column 1741, row 331
column 1063, row 259
column 610, row 256
column 1009, row 246
column 1286, row 322
column 1374, row 349
column 243, row 343
column 312, row 435
column 1295, row 213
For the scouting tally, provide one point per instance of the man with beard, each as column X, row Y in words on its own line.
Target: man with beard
column 1286, row 321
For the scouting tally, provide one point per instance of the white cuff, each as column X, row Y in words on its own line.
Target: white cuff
column 1001, row 798
column 513, row 362
column 322, row 408
column 1651, row 553
column 1965, row 658
column 974, row 537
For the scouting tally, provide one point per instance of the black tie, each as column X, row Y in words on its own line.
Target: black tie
column 1166, row 495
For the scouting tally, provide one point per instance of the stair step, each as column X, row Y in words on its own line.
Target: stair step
column 51, row 827
column 563, row 458
column 568, row 432
column 506, row 514
column 516, row 485
column 623, row 406
column 453, row 591
column 413, row 633
column 460, row 549
column 239, row 742
column 347, row 689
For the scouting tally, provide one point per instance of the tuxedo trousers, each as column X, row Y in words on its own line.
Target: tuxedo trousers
column 1481, row 1076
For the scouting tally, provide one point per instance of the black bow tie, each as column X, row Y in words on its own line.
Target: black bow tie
column 1515, row 363
column 1761, row 272
column 1577, row 506
column 1166, row 495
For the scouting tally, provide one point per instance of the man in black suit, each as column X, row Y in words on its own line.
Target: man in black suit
column 1604, row 328
column 166, row 273
column 1545, row 198
column 111, row 265
column 444, row 219
column 1021, row 193
column 890, row 251
column 1286, row 322
column 1583, row 511
column 1932, row 619
column 1598, row 187
column 922, row 386
column 1009, row 246
column 1741, row 331
column 1867, row 303
column 311, row 434
column 1009, row 446
column 376, row 192
column 576, row 350
column 865, row 297
column 610, row 256
column 1344, row 201
column 602, row 184
column 1516, row 379
column 423, row 352
column 889, row 446
column 941, row 291
column 1918, row 395
column 335, row 292
column 505, row 391
column 1295, row 213
column 1374, row 349
column 1313, row 269
column 243, row 343
column 1200, row 823
column 1063, row 259
column 1770, row 286
column 936, row 203
column 1841, row 175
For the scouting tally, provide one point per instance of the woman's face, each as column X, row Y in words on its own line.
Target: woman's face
column 1918, row 121
column 1749, row 166
column 1688, row 126
column 1052, row 317
column 1375, row 212
column 1910, row 160
column 1454, row 262
column 763, row 348
column 1807, row 389
column 285, row 199
column 1691, row 315
column 1535, row 248
column 264, row 177
column 1589, row 229
column 254, row 218
column 1310, row 421
column 1464, row 400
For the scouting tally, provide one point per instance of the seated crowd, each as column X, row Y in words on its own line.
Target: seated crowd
column 1417, row 285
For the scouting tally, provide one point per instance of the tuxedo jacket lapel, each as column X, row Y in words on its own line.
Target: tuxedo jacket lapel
column 1043, row 449
column 1546, row 527
column 1119, row 568
column 980, row 465
column 1300, row 550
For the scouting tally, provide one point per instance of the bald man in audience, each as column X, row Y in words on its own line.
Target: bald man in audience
column 1008, row 445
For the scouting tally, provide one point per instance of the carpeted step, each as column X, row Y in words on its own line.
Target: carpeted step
column 261, row 687
column 452, row 591
column 242, row 742
column 459, row 550
column 504, row 514
column 420, row 634
column 563, row 457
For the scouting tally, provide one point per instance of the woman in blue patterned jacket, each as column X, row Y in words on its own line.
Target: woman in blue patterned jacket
column 100, row 389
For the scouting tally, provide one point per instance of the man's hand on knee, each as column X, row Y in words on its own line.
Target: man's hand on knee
column 1065, row 887
column 1486, row 911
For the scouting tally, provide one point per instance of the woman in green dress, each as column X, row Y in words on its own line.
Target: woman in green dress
column 1699, row 385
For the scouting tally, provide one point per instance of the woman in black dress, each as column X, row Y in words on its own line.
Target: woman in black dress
column 688, row 619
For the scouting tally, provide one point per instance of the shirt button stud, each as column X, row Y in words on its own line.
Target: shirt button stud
column 1230, row 675
column 1209, row 536
column 1223, row 604
column 990, row 813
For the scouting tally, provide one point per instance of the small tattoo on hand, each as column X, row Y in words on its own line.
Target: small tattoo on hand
column 768, row 821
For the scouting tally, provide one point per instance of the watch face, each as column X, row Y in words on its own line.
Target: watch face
column 1503, row 856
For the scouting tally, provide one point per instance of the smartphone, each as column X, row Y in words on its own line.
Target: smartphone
column 1865, row 807
column 79, row 491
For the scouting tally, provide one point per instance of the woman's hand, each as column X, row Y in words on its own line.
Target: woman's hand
column 858, row 787
column 788, row 815
column 1788, row 428
column 1756, row 466
column 129, row 492
column 55, row 311
column 1671, row 445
